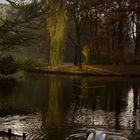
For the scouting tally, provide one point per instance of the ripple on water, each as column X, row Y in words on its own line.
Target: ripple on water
column 28, row 137
column 110, row 136
column 30, row 124
column 78, row 136
column 36, row 137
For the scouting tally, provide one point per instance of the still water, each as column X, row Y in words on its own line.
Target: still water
column 49, row 107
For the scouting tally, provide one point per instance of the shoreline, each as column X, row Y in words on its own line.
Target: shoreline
column 88, row 70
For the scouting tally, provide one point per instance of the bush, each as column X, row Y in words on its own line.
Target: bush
column 28, row 63
column 8, row 65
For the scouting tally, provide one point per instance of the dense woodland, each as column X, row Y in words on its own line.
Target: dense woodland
column 86, row 31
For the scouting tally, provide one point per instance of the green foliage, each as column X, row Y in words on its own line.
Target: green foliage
column 28, row 63
column 57, row 25
column 8, row 65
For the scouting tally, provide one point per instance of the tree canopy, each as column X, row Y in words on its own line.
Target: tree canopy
column 97, row 31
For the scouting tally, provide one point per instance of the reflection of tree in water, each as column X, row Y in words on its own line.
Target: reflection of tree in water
column 53, row 116
column 98, row 104
column 80, row 89
column 136, row 97
column 7, row 86
column 136, row 105
column 135, row 133
column 118, row 105
column 79, row 108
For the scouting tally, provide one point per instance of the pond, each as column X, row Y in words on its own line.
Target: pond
column 51, row 107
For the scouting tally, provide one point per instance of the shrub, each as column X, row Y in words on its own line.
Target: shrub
column 8, row 65
column 28, row 63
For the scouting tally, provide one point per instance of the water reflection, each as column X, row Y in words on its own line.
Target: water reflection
column 53, row 115
column 99, row 105
column 7, row 85
column 50, row 107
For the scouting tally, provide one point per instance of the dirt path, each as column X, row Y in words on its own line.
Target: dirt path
column 98, row 70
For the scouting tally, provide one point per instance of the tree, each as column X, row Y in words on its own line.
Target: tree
column 103, row 29
column 78, row 12
column 22, row 21
column 8, row 65
column 134, row 7
column 57, row 24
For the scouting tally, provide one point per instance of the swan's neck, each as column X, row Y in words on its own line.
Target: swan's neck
column 91, row 136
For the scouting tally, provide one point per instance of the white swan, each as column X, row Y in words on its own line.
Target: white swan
column 93, row 134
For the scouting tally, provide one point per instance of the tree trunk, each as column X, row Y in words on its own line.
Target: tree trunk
column 76, row 56
column 96, row 35
column 79, row 52
column 120, row 41
column 78, row 36
column 137, row 41
column 137, row 44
